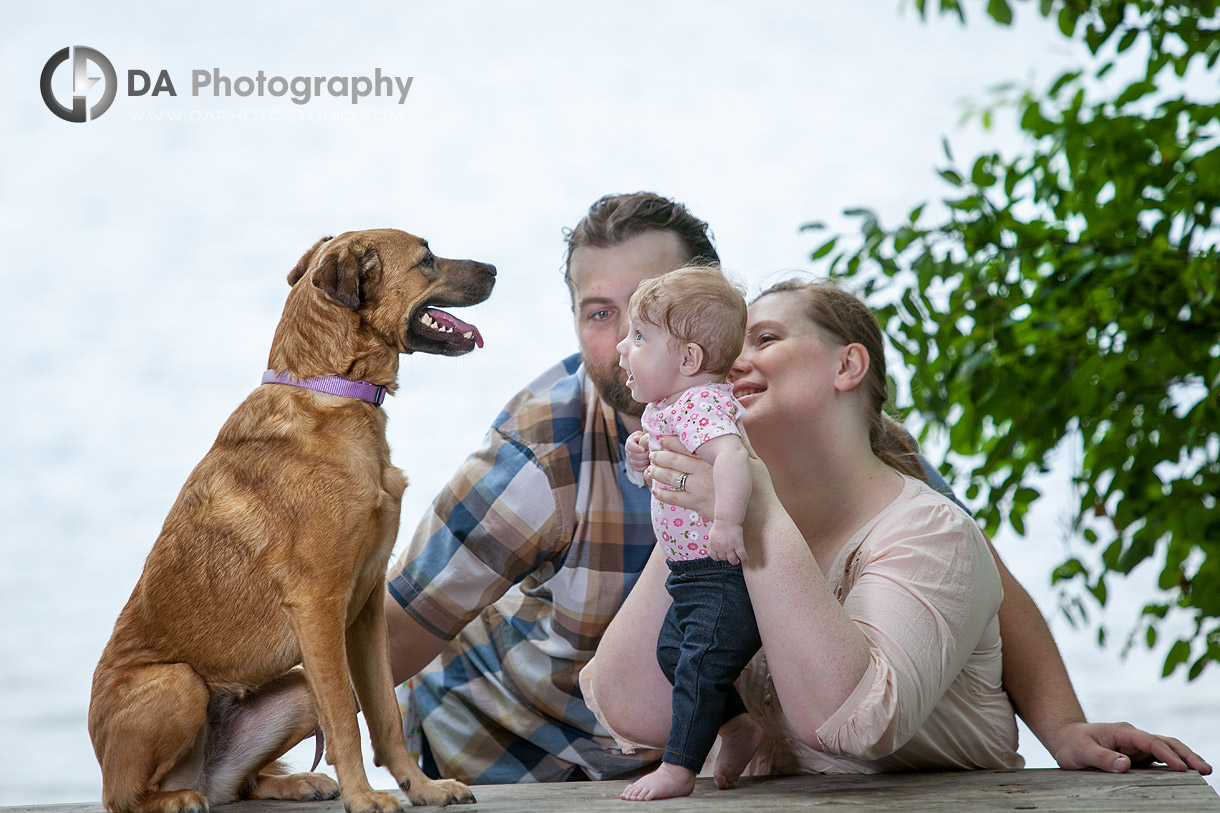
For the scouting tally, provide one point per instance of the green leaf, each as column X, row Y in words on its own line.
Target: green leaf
column 1067, row 20
column 1059, row 83
column 981, row 175
column 824, row 249
column 1178, row 654
column 1068, row 571
column 1000, row 11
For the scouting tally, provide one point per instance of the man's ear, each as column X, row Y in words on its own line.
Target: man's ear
column 303, row 265
column 349, row 275
column 692, row 359
column 853, row 366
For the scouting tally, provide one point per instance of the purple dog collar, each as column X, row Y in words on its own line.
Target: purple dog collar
column 332, row 384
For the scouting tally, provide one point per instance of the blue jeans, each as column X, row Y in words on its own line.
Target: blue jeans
column 708, row 637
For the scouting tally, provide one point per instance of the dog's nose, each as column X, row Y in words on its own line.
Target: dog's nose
column 488, row 269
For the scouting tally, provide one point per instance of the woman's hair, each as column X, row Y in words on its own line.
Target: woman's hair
column 615, row 219
column 696, row 304
column 848, row 320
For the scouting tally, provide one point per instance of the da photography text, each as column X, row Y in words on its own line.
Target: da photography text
column 95, row 83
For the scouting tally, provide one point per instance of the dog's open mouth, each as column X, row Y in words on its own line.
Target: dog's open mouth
column 443, row 333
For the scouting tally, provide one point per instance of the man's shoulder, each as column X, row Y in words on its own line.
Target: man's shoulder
column 549, row 411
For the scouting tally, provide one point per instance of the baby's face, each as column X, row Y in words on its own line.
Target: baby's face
column 653, row 361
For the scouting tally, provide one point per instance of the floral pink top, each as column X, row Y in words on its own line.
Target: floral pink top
column 695, row 417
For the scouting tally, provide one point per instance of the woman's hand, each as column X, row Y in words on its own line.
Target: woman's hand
column 699, row 492
column 667, row 467
column 1115, row 747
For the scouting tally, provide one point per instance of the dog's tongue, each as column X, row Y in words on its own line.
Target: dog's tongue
column 448, row 327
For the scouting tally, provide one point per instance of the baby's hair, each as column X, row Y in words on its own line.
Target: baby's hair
column 696, row 304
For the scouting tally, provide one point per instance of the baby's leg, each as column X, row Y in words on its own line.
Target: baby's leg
column 668, row 780
column 702, row 650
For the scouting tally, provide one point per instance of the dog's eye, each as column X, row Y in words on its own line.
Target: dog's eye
column 429, row 261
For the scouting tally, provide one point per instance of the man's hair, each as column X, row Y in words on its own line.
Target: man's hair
column 614, row 219
column 696, row 304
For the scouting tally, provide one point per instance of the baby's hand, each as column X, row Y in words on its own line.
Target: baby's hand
column 637, row 450
column 725, row 542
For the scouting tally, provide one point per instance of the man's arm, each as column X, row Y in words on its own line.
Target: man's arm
column 1037, row 682
column 474, row 543
column 1034, row 674
column 411, row 646
column 1041, row 692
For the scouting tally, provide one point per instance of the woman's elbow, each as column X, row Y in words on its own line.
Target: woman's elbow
column 612, row 691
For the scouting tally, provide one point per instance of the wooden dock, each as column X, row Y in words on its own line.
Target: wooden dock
column 1042, row 789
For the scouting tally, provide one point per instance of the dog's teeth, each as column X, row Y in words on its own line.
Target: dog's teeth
column 427, row 320
column 468, row 334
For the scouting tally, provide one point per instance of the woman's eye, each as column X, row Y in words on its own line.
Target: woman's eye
column 764, row 338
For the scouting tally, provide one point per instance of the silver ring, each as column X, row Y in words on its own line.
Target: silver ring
column 681, row 484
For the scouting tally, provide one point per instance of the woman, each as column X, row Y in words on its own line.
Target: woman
column 876, row 599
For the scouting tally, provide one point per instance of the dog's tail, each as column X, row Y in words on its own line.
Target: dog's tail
column 319, row 747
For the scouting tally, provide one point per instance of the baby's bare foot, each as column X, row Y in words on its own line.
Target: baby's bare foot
column 665, row 782
column 739, row 739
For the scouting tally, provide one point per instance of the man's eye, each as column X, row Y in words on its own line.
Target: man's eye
column 598, row 316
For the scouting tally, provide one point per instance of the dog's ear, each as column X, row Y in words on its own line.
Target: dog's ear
column 350, row 274
column 302, row 266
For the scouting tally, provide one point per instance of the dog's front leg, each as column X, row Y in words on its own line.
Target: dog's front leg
column 370, row 667
column 318, row 624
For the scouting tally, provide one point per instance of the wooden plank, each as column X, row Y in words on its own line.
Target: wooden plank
column 1044, row 789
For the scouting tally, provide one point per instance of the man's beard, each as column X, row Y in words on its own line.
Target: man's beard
column 611, row 384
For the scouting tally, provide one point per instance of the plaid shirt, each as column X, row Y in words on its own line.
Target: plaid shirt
column 522, row 563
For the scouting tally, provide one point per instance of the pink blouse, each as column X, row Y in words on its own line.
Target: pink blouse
column 921, row 583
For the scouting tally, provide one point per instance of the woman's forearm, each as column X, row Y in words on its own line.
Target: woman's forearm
column 624, row 682
column 815, row 651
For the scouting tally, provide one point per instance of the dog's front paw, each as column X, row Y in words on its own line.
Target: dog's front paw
column 297, row 787
column 439, row 792
column 373, row 801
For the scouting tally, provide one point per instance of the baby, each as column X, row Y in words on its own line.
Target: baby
column 685, row 330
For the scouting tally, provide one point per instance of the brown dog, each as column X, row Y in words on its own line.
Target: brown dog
column 274, row 555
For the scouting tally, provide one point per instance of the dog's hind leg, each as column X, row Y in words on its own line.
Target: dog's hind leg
column 370, row 667
column 249, row 734
column 147, row 725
